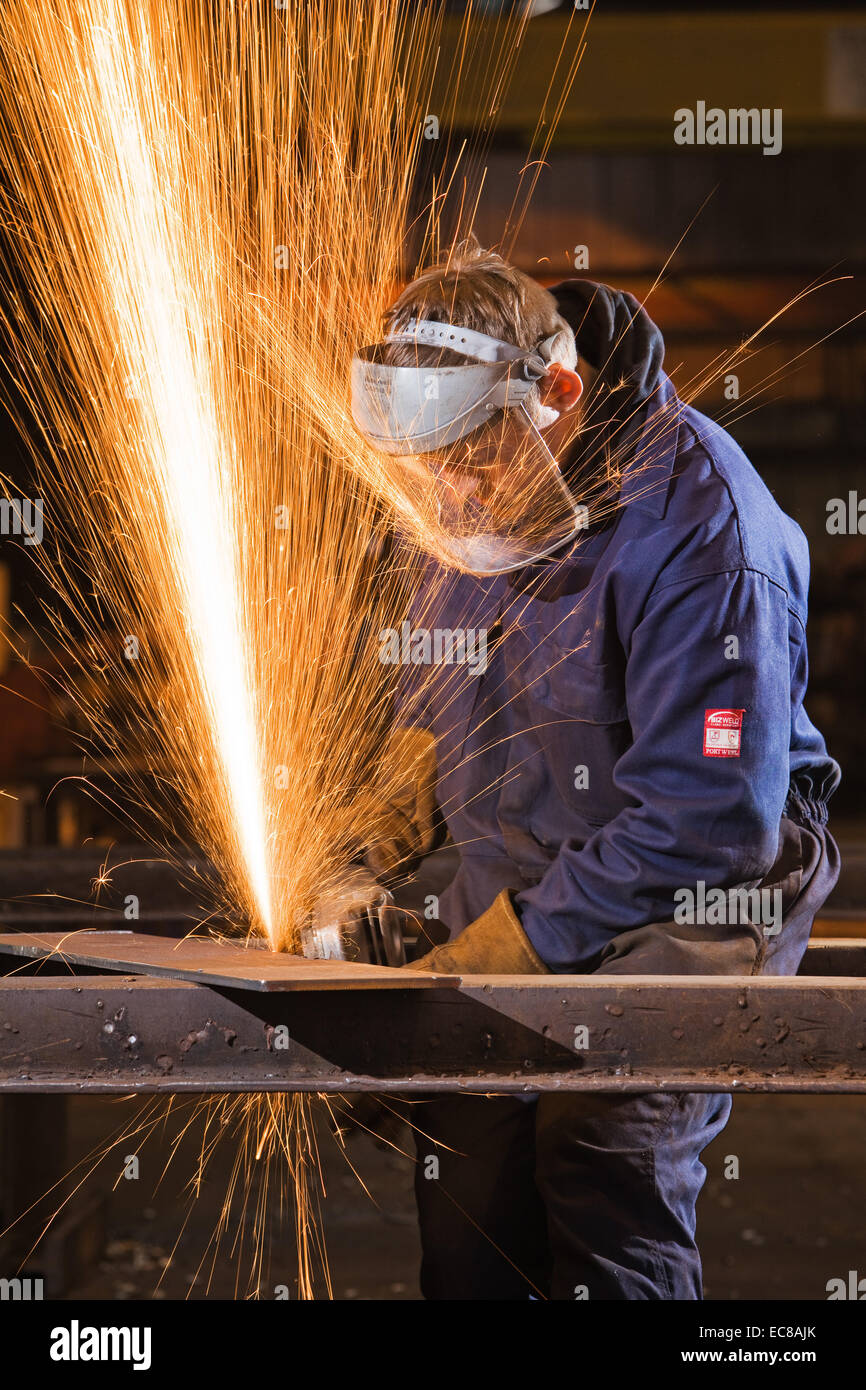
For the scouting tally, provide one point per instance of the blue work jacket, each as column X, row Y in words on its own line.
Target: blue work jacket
column 640, row 724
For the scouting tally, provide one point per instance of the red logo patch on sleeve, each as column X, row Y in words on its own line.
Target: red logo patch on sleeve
column 722, row 729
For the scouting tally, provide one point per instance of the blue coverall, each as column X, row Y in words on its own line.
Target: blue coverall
column 582, row 771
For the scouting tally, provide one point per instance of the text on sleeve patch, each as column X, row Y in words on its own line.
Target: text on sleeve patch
column 722, row 730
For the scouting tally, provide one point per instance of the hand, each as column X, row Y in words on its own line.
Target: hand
column 356, row 921
column 494, row 944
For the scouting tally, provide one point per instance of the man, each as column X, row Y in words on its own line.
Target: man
column 637, row 740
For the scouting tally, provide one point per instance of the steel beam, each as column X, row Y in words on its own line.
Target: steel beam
column 503, row 1033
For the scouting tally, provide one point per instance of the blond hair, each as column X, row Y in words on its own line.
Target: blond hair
column 477, row 289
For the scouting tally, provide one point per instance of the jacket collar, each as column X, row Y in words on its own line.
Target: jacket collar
column 646, row 478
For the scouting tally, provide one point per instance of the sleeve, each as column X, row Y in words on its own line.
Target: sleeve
column 715, row 643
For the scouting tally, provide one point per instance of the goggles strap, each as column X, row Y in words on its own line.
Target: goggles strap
column 473, row 344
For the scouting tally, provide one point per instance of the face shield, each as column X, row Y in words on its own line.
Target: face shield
column 472, row 478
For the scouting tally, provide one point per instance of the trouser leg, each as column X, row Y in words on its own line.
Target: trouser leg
column 619, row 1176
column 483, row 1227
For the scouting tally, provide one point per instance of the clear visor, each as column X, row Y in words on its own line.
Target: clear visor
column 497, row 500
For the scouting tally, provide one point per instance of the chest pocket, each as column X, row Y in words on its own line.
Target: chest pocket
column 555, row 677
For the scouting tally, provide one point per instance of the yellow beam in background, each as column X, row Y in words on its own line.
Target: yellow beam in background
column 638, row 70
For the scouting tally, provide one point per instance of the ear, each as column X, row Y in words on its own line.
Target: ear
column 561, row 388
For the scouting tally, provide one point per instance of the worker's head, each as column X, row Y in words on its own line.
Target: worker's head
column 475, row 364
column 477, row 289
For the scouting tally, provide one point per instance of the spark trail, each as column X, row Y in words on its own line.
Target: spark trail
column 207, row 213
column 163, row 158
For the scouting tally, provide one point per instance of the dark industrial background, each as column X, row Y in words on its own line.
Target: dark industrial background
column 748, row 232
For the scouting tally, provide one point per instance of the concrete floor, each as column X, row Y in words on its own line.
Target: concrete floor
column 794, row 1218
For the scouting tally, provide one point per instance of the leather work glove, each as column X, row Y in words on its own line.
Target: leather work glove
column 494, row 944
column 407, row 826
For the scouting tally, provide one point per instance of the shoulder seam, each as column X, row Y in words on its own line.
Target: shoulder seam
column 703, row 443
column 727, row 569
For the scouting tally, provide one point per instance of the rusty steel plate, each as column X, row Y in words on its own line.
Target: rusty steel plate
column 204, row 961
